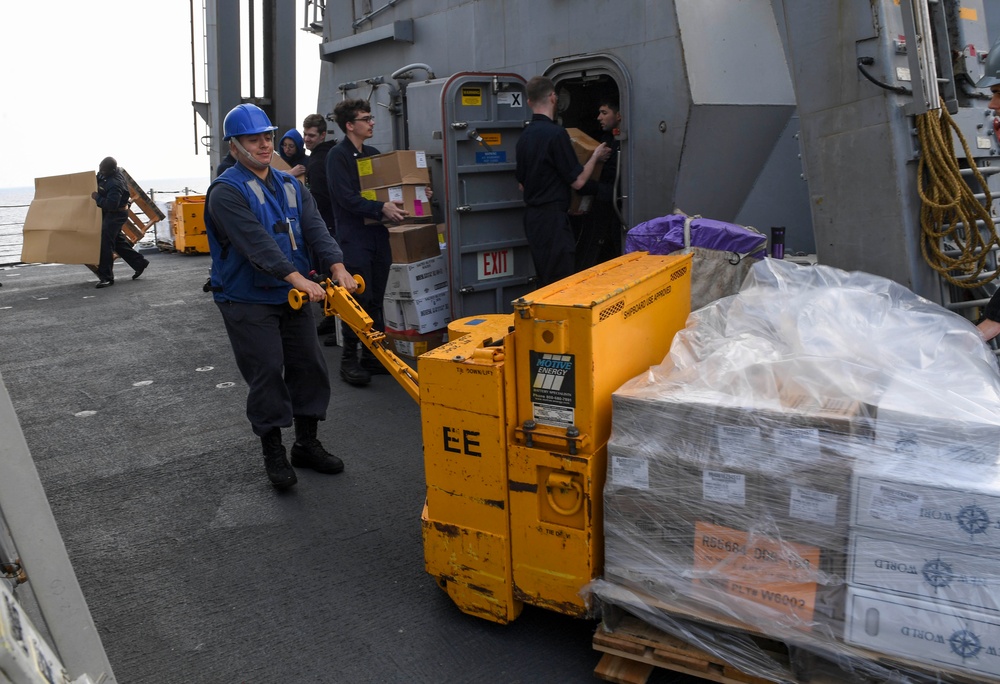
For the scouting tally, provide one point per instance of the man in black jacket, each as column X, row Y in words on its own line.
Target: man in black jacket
column 601, row 238
column 314, row 136
column 365, row 245
column 113, row 198
column 546, row 170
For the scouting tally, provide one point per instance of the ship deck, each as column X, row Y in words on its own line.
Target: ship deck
column 196, row 570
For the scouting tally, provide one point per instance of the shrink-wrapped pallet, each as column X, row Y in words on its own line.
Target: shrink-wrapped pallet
column 738, row 471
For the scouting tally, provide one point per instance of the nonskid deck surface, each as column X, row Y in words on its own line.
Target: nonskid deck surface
column 194, row 568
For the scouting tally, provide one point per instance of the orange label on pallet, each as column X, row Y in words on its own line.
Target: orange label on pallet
column 773, row 573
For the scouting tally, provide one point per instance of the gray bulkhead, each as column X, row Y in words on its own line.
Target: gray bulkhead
column 751, row 111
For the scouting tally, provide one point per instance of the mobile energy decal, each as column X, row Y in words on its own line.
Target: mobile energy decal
column 553, row 388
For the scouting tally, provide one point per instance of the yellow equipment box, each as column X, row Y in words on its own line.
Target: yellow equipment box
column 516, row 415
column 188, row 224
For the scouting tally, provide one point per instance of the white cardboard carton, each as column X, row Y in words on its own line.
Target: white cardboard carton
column 416, row 280
column 427, row 314
column 956, row 504
column 923, row 631
column 926, row 570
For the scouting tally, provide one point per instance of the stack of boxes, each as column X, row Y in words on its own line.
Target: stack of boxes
column 417, row 304
column 880, row 527
column 924, row 566
column 739, row 508
column 400, row 176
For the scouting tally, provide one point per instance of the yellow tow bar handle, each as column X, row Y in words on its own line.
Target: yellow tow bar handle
column 297, row 298
column 339, row 302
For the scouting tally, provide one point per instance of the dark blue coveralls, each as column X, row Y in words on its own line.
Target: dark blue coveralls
column 113, row 198
column 546, row 168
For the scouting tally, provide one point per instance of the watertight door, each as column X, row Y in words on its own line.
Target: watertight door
column 488, row 256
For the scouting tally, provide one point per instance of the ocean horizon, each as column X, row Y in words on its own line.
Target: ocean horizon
column 15, row 201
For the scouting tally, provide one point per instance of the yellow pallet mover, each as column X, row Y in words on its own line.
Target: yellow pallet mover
column 516, row 416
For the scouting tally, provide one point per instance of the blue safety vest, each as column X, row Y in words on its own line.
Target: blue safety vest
column 234, row 278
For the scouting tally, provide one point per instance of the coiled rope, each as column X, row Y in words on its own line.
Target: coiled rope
column 950, row 210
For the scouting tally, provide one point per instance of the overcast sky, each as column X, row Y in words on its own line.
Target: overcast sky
column 84, row 80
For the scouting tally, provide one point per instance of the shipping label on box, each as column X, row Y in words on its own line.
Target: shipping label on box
column 925, row 570
column 778, row 574
column 402, row 167
column 427, row 314
column 419, row 279
column 926, row 632
column 412, row 198
column 966, row 513
column 413, row 242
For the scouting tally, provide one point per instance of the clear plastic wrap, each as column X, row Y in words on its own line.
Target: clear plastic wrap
column 816, row 460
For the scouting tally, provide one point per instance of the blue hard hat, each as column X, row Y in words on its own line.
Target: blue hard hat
column 245, row 119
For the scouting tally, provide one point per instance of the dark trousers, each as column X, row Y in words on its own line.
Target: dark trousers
column 600, row 236
column 550, row 239
column 371, row 261
column 112, row 241
column 279, row 356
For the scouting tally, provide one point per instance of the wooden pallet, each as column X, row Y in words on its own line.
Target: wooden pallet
column 142, row 212
column 634, row 649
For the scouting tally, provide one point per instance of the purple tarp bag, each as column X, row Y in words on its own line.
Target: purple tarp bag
column 665, row 235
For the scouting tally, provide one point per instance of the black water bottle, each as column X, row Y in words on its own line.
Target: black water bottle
column 777, row 242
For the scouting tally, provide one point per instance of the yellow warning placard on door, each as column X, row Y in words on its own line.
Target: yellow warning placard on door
column 472, row 96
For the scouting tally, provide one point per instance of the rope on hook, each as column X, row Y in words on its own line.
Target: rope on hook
column 950, row 210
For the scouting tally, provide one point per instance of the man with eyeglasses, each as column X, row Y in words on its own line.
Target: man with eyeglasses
column 365, row 245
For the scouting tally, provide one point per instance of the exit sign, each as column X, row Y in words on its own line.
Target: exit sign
column 497, row 263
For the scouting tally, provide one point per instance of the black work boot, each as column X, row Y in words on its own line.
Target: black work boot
column 351, row 371
column 278, row 471
column 371, row 364
column 307, row 452
column 328, row 326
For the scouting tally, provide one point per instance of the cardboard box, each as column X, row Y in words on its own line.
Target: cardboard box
column 959, row 505
column 402, row 167
column 25, row 657
column 63, row 224
column 413, row 242
column 412, row 197
column 16, row 654
column 416, row 280
column 411, row 344
column 916, row 435
column 426, row 314
column 959, row 640
column 787, row 467
column 584, row 147
column 392, row 313
column 281, row 165
column 925, row 570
